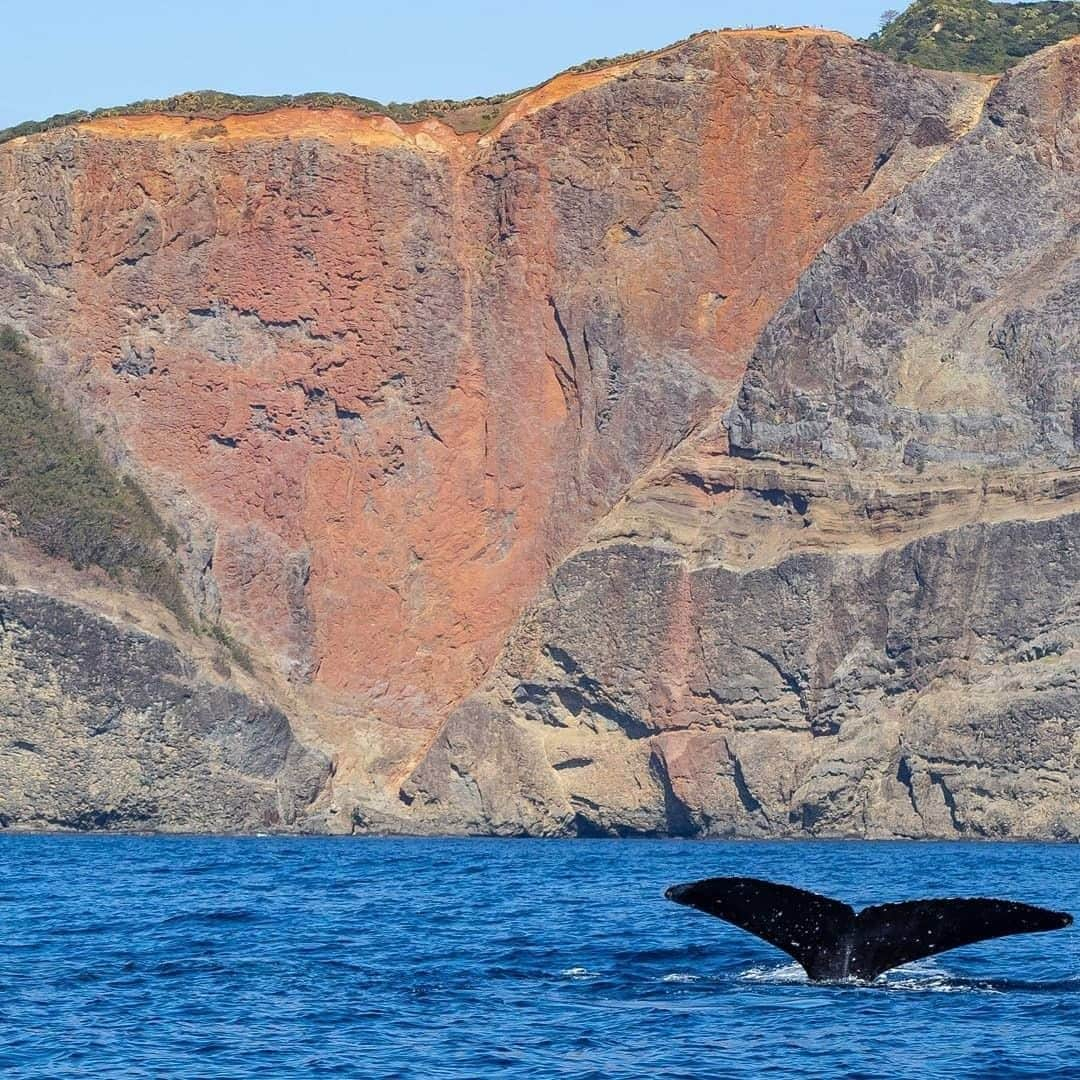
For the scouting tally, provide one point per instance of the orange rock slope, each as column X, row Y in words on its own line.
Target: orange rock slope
column 384, row 377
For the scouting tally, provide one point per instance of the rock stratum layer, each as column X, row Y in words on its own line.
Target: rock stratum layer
column 443, row 421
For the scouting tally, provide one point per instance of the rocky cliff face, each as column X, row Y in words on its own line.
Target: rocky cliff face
column 440, row 419
column 857, row 618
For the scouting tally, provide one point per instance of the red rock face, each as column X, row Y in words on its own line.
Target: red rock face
column 386, row 377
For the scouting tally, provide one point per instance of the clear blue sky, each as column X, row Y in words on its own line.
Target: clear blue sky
column 68, row 54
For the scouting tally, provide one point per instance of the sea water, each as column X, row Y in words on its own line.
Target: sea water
column 280, row 957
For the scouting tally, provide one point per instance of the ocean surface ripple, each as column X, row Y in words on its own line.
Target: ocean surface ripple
column 295, row 957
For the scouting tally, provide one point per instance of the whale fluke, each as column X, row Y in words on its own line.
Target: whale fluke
column 831, row 942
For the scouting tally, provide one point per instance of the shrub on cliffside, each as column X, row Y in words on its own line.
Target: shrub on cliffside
column 63, row 495
column 975, row 35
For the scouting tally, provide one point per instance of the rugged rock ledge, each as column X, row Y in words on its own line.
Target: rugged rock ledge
column 927, row 690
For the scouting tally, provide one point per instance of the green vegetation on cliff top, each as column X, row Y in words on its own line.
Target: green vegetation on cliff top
column 216, row 104
column 58, row 491
column 975, row 35
column 473, row 114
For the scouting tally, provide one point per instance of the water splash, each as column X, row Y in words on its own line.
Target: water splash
column 924, row 977
column 784, row 975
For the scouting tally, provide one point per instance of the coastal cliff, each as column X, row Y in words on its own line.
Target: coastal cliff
column 691, row 450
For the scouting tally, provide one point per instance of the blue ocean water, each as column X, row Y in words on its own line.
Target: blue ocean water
column 269, row 957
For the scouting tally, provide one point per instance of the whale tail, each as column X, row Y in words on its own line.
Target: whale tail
column 831, row 941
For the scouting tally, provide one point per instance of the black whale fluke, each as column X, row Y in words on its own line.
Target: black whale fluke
column 831, row 942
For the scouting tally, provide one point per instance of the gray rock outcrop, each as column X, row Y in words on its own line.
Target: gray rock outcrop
column 106, row 727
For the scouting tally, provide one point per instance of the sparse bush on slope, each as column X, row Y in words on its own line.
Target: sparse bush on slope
column 58, row 491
